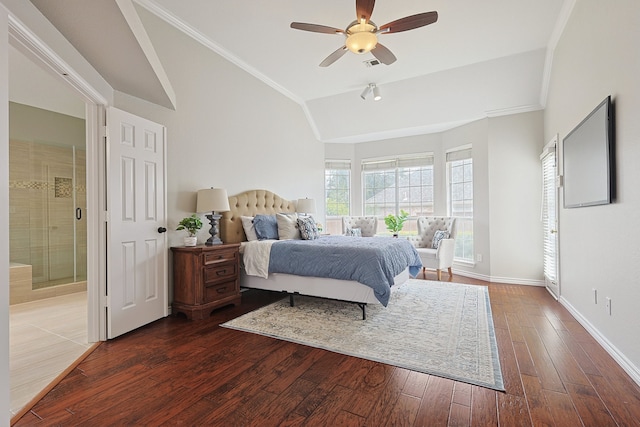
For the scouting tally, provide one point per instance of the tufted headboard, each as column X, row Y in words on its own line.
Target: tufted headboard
column 250, row 203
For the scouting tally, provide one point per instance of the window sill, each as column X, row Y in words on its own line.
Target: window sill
column 463, row 263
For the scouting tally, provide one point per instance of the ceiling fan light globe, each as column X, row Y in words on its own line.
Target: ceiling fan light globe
column 361, row 37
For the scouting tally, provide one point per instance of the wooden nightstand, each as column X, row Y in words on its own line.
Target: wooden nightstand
column 205, row 278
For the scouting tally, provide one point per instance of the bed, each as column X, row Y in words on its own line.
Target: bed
column 254, row 202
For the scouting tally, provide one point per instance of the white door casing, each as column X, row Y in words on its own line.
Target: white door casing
column 137, row 291
column 550, row 188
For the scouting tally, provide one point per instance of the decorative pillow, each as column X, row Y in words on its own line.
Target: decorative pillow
column 308, row 228
column 437, row 236
column 266, row 227
column 354, row 232
column 249, row 229
column 288, row 226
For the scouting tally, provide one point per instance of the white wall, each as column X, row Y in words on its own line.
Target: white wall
column 598, row 55
column 507, row 184
column 229, row 130
column 515, row 185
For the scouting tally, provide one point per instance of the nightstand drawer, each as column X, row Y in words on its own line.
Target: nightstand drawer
column 217, row 292
column 222, row 255
column 219, row 273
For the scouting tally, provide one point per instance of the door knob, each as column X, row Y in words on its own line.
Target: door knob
column 162, row 230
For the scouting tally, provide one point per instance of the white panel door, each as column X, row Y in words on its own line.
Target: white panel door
column 137, row 247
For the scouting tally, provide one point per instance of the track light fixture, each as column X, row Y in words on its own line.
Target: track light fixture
column 371, row 87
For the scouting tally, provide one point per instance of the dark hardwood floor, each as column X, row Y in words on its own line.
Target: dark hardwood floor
column 180, row 372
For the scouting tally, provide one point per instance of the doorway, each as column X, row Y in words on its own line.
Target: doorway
column 48, row 228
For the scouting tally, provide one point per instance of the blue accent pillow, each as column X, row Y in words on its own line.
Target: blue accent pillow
column 308, row 228
column 266, row 227
column 437, row 236
column 354, row 232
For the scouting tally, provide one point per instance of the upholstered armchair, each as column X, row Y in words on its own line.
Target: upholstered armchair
column 368, row 225
column 436, row 256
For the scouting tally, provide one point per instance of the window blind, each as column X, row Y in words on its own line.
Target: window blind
column 459, row 155
column 337, row 164
column 401, row 162
column 549, row 215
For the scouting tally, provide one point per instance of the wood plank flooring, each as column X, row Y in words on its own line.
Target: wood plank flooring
column 180, row 372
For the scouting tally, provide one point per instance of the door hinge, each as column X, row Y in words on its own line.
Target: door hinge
column 104, row 132
column 105, row 216
column 106, row 301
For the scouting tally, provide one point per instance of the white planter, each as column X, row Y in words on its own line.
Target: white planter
column 190, row 241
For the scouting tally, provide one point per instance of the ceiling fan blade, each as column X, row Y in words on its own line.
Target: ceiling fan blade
column 383, row 54
column 334, row 57
column 409, row 22
column 364, row 9
column 315, row 28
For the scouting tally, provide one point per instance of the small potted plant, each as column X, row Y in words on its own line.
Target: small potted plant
column 192, row 224
column 394, row 223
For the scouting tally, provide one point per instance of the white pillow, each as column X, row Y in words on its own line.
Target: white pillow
column 288, row 226
column 249, row 230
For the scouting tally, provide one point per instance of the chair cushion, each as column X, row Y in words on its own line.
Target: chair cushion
column 426, row 254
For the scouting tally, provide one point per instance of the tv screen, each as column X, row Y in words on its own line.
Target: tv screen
column 587, row 159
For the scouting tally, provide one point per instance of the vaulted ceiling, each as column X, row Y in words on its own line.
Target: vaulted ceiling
column 479, row 59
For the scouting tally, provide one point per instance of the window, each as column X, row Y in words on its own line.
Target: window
column 392, row 185
column 337, row 189
column 460, row 198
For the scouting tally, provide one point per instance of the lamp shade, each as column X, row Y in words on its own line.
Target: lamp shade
column 212, row 199
column 306, row 206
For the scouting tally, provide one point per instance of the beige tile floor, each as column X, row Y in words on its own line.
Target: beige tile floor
column 46, row 337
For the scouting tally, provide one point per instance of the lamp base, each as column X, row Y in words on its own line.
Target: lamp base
column 213, row 231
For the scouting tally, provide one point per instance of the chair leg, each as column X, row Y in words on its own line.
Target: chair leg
column 439, row 272
column 450, row 273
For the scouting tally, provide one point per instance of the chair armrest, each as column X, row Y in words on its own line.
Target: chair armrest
column 445, row 251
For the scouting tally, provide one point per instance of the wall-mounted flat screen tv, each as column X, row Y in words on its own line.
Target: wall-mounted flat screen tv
column 587, row 157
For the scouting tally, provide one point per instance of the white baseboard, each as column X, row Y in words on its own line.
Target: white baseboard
column 495, row 279
column 618, row 356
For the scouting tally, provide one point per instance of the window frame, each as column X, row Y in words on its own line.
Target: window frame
column 395, row 167
column 464, row 246
column 334, row 222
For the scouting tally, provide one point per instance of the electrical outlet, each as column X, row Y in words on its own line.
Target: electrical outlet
column 595, row 295
column 608, row 305
column 478, row 257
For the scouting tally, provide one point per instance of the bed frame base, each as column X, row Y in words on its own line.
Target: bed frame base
column 362, row 305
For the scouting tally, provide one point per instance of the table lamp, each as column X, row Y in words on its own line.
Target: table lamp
column 212, row 200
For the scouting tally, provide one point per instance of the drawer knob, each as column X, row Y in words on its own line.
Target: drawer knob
column 221, row 272
column 222, row 290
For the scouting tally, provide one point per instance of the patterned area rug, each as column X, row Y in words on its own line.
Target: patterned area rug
column 438, row 328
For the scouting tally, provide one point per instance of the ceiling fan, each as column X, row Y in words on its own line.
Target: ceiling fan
column 362, row 34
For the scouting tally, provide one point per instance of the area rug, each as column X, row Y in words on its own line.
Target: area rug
column 443, row 329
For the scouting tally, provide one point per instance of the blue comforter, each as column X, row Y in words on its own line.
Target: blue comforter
column 372, row 261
